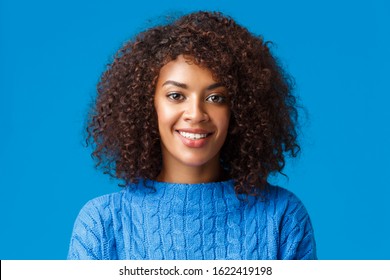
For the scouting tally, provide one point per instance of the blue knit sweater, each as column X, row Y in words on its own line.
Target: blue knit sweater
column 192, row 221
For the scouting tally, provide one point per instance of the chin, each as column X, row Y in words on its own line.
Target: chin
column 195, row 160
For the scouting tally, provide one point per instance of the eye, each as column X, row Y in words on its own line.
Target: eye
column 175, row 96
column 216, row 98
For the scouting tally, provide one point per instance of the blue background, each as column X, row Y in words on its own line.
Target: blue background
column 53, row 52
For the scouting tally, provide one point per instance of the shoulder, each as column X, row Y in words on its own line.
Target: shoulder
column 279, row 193
column 103, row 203
column 283, row 199
column 92, row 230
column 101, row 210
column 296, row 235
column 287, row 208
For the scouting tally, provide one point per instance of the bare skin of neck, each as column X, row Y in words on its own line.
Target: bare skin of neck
column 175, row 172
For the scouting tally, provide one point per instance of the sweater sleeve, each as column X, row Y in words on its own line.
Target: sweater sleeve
column 87, row 237
column 296, row 232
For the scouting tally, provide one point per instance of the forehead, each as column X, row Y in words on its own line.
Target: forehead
column 184, row 70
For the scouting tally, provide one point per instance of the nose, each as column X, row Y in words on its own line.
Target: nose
column 195, row 112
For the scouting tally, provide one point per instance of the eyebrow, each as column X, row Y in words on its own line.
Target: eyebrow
column 181, row 85
column 214, row 86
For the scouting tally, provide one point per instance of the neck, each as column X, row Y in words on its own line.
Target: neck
column 183, row 174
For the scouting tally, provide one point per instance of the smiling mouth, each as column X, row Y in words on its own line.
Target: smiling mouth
column 193, row 136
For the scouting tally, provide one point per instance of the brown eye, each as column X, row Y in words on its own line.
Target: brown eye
column 175, row 96
column 215, row 98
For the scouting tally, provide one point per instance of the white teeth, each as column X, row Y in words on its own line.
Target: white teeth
column 192, row 136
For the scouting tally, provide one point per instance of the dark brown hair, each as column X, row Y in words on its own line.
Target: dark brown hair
column 123, row 123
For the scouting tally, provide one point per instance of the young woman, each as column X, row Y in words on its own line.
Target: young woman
column 193, row 116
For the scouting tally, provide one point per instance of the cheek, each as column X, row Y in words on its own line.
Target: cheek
column 166, row 117
column 222, row 119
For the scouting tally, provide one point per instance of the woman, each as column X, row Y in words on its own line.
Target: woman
column 194, row 116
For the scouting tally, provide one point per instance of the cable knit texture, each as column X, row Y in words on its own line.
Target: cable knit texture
column 192, row 221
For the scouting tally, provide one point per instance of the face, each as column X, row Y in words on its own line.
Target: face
column 193, row 114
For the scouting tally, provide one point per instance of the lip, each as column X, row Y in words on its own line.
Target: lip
column 196, row 143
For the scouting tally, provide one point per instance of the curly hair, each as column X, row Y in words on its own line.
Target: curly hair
column 122, row 125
